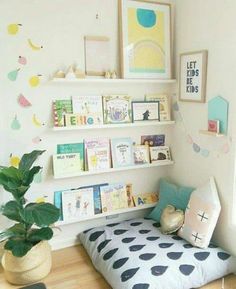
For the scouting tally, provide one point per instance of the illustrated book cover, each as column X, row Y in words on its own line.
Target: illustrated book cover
column 145, row 199
column 159, row 154
column 122, row 152
column 72, row 148
column 141, row 154
column 153, row 140
column 98, row 158
column 66, row 164
column 164, row 104
column 60, row 109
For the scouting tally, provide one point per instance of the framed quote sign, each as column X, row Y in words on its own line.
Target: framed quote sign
column 193, row 76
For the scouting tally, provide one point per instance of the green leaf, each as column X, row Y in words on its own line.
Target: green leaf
column 29, row 175
column 27, row 160
column 41, row 214
column 4, row 235
column 12, row 173
column 37, row 235
column 18, row 247
column 17, row 229
column 11, row 210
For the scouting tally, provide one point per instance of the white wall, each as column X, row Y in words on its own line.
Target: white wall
column 209, row 25
column 59, row 26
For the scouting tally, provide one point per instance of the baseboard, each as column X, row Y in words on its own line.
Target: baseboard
column 58, row 244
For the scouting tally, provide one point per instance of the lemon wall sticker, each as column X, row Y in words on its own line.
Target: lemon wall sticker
column 15, row 124
column 13, row 28
column 23, row 101
column 34, row 80
column 36, row 122
column 12, row 75
column 34, row 46
column 14, row 160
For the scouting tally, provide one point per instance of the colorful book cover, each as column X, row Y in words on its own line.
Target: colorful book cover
column 60, row 109
column 214, row 126
column 117, row 109
column 159, row 154
column 164, row 104
column 141, row 154
column 114, row 197
column 72, row 148
column 89, row 108
column 98, row 158
column 77, row 203
column 153, row 140
column 122, row 152
column 66, row 164
column 145, row 199
column 58, row 202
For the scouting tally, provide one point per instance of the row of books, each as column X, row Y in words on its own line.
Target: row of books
column 101, row 198
column 111, row 109
column 103, row 153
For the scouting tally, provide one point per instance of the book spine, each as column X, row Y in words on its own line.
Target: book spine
column 55, row 116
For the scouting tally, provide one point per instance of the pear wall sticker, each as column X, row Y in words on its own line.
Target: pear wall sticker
column 34, row 46
column 34, row 80
column 14, row 160
column 36, row 122
column 15, row 124
column 13, row 28
column 12, row 75
column 22, row 60
column 23, row 101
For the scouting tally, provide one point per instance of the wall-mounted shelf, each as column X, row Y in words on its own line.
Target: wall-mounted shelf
column 115, row 212
column 106, row 126
column 112, row 170
column 112, row 81
column 215, row 134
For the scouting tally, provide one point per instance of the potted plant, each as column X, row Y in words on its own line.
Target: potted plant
column 27, row 254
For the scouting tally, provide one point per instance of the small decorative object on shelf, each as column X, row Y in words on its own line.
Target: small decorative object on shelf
column 145, row 110
column 70, row 74
column 214, row 126
column 164, row 104
column 160, row 154
column 59, row 74
column 145, row 198
column 113, row 74
column 108, row 74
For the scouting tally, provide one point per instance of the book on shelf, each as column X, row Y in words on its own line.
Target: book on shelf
column 164, row 104
column 141, row 154
column 114, row 197
column 89, row 108
column 95, row 143
column 66, row 164
column 159, row 154
column 117, row 109
column 72, row 148
column 145, row 199
column 77, row 204
column 98, row 158
column 153, row 140
column 129, row 193
column 60, row 109
column 58, row 203
column 122, row 152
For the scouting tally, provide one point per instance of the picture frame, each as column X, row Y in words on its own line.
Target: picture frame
column 159, row 154
column 146, row 110
column 193, row 76
column 97, row 55
column 117, row 109
column 141, row 154
column 164, row 104
column 145, row 39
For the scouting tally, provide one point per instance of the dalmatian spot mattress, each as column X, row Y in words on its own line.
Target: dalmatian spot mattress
column 134, row 254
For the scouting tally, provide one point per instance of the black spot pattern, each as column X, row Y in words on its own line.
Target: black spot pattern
column 201, row 256
column 223, row 256
column 120, row 232
column 86, row 231
column 144, row 231
column 94, row 236
column 128, row 274
column 119, row 263
column 113, row 224
column 174, row 255
column 158, row 270
column 188, row 246
column 186, row 269
column 152, row 238
column 135, row 224
column 141, row 286
column 165, row 245
column 175, row 237
column 212, row 246
column 147, row 256
column 135, row 248
column 128, row 240
column 102, row 245
column 109, row 254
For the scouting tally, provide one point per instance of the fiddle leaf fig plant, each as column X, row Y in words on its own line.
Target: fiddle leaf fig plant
column 32, row 220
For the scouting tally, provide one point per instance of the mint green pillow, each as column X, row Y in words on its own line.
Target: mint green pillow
column 170, row 194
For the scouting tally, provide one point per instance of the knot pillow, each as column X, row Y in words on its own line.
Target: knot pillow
column 171, row 220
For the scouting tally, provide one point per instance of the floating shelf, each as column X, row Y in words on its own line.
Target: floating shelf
column 113, row 170
column 105, row 126
column 215, row 134
column 115, row 212
column 113, row 81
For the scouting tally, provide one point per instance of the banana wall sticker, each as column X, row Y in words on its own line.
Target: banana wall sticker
column 36, row 122
column 33, row 46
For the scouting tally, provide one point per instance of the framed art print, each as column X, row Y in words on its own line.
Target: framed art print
column 146, row 110
column 145, row 39
column 193, row 76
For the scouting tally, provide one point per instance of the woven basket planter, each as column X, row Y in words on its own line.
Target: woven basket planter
column 32, row 267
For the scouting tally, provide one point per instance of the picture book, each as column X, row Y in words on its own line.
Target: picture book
column 60, row 109
column 95, row 142
column 114, row 197
column 77, row 204
column 214, row 126
column 66, row 164
column 122, row 152
column 89, row 109
column 98, row 158
column 129, row 192
column 141, row 154
column 72, row 148
column 153, row 140
column 146, row 110
column 58, row 202
column 117, row 109
column 145, row 198
column 159, row 154
column 164, row 104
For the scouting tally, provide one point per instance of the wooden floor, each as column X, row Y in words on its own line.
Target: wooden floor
column 72, row 269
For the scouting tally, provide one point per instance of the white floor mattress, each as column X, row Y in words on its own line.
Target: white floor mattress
column 135, row 255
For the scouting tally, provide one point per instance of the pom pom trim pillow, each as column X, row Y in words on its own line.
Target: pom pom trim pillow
column 201, row 215
column 170, row 194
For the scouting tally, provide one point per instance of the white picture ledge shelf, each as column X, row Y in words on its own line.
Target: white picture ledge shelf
column 210, row 133
column 112, row 170
column 106, row 126
column 112, row 81
column 115, row 212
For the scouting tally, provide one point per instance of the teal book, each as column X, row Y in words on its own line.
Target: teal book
column 72, row 148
